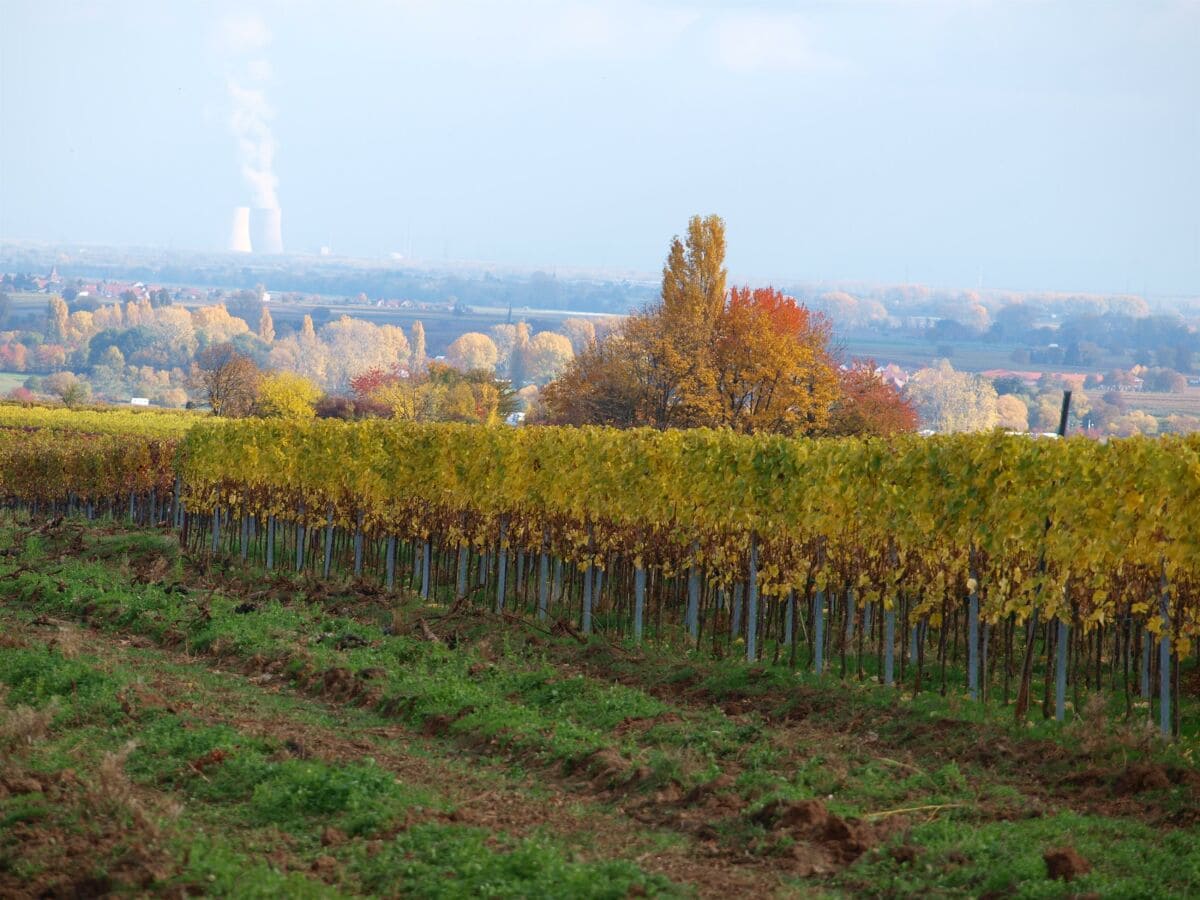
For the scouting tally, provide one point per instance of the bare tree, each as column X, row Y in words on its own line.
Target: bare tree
column 229, row 380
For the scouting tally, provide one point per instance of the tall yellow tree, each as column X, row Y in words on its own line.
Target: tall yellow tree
column 418, row 347
column 58, row 327
column 518, row 356
column 673, row 341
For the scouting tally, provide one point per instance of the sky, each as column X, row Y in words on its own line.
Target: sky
column 1013, row 144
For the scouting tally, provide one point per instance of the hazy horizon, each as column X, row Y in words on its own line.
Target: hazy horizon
column 1022, row 145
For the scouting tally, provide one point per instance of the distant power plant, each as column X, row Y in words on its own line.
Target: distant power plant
column 239, row 233
column 256, row 230
column 266, row 233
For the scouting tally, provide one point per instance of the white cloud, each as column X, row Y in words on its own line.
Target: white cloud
column 260, row 70
column 614, row 29
column 244, row 33
column 541, row 31
column 765, row 42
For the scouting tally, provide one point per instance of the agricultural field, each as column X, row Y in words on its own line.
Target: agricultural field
column 1162, row 403
column 912, row 352
column 184, row 724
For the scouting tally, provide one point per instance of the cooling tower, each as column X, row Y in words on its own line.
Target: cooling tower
column 265, row 230
column 239, row 234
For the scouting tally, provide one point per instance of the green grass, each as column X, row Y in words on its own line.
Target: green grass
column 451, row 861
column 1005, row 859
column 237, row 791
column 214, row 867
column 550, row 706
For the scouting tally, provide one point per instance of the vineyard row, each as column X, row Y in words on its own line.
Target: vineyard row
column 980, row 559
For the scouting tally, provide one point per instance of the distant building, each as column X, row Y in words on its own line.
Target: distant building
column 894, row 375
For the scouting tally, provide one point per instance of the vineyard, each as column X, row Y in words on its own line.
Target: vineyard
column 958, row 563
column 263, row 658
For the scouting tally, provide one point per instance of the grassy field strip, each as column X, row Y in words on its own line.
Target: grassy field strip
column 265, row 799
column 737, row 780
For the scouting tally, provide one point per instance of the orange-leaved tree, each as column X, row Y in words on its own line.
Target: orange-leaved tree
column 771, row 364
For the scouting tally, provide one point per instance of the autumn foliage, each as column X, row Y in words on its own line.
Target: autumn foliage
column 437, row 393
column 372, row 381
column 772, row 363
column 753, row 360
column 869, row 405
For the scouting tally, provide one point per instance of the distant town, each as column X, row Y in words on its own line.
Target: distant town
column 1133, row 364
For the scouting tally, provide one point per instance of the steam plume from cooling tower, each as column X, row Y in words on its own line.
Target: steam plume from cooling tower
column 242, row 37
column 256, row 143
column 239, row 233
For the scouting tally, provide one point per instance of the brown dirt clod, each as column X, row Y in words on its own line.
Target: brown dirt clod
column 905, row 854
column 842, row 840
column 332, row 837
column 1065, row 864
column 1141, row 777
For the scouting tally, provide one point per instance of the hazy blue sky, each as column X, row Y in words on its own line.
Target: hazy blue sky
column 1033, row 144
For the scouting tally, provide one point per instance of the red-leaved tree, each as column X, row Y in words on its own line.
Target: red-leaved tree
column 371, row 381
column 868, row 404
